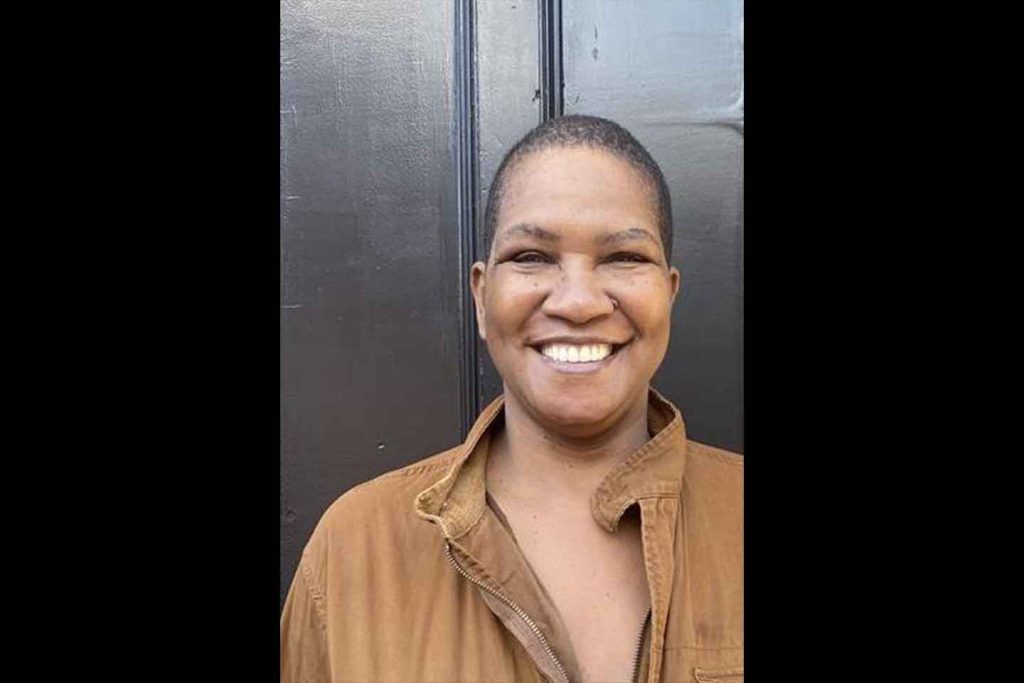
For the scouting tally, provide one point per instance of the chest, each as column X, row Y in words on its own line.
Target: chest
column 596, row 580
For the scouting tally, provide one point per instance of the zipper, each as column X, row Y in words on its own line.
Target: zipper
column 515, row 608
column 638, row 655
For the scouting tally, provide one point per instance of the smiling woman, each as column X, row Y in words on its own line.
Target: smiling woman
column 577, row 534
column 576, row 261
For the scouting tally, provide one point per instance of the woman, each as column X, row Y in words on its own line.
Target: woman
column 576, row 535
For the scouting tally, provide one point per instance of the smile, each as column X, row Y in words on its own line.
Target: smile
column 578, row 358
column 576, row 353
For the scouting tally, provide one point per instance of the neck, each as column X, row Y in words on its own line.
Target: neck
column 531, row 460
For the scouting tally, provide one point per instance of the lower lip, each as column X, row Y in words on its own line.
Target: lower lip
column 579, row 368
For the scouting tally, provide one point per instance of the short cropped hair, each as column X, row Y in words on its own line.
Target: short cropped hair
column 577, row 130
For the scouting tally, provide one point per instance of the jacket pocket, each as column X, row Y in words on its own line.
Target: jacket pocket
column 731, row 675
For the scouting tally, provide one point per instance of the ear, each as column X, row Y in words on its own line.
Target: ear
column 674, row 280
column 478, row 283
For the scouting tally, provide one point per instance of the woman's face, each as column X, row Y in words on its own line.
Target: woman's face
column 575, row 299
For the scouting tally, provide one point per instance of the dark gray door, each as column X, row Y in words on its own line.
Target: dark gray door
column 394, row 116
column 370, row 306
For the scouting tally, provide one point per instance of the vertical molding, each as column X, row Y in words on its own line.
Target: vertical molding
column 466, row 150
column 551, row 81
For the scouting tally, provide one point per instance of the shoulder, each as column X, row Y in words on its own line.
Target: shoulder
column 710, row 454
column 714, row 477
column 379, row 495
column 376, row 513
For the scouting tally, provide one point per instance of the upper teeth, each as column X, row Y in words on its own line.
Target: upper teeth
column 572, row 353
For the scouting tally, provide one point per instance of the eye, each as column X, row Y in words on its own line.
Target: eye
column 627, row 257
column 530, row 257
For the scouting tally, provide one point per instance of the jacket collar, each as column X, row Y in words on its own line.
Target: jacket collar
column 457, row 500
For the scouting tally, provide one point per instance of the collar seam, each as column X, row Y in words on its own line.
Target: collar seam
column 648, row 451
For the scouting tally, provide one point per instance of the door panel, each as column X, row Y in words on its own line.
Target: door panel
column 369, row 297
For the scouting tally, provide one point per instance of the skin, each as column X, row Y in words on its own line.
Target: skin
column 576, row 256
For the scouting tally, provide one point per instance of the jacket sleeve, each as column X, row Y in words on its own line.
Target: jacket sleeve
column 304, row 652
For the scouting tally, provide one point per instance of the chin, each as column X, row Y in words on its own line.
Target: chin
column 577, row 416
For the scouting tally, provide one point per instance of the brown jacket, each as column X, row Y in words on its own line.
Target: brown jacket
column 413, row 576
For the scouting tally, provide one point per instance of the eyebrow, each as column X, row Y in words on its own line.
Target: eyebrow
column 623, row 236
column 528, row 230
column 616, row 238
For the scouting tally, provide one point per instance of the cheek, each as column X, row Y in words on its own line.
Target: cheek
column 512, row 301
column 648, row 302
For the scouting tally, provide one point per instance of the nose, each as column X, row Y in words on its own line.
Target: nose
column 578, row 295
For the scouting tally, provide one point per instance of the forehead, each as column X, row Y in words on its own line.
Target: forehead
column 577, row 186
